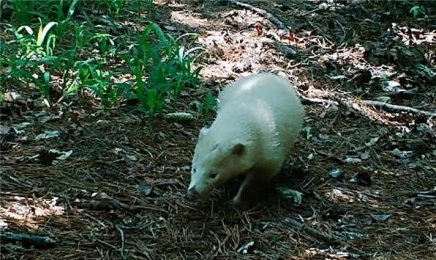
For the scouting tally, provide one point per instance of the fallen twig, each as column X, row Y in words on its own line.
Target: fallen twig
column 331, row 239
column 27, row 239
column 286, row 50
column 100, row 201
column 321, row 7
column 311, row 101
column 311, row 231
column 261, row 12
column 122, row 249
column 387, row 106
column 344, row 33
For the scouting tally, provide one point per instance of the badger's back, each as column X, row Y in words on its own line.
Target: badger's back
column 265, row 104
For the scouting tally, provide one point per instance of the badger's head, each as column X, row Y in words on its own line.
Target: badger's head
column 216, row 160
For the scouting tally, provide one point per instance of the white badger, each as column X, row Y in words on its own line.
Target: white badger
column 258, row 121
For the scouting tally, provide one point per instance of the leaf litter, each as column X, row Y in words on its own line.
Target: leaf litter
column 90, row 186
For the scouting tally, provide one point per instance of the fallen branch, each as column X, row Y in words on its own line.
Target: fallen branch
column 383, row 105
column 27, row 239
column 286, row 50
column 391, row 107
column 331, row 239
column 261, row 12
column 328, row 238
column 102, row 201
column 321, row 7
column 312, row 101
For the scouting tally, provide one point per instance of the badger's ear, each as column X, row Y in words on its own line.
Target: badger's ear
column 238, row 148
column 203, row 132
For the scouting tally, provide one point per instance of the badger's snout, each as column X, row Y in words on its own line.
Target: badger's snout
column 192, row 194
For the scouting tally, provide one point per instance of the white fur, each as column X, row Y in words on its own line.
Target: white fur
column 263, row 115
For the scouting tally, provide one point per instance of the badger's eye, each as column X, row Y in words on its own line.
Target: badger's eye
column 213, row 175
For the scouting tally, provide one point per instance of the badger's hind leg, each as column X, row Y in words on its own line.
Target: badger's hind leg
column 254, row 188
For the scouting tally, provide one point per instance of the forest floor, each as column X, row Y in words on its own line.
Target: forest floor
column 366, row 170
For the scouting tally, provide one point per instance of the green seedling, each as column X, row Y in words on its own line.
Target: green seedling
column 34, row 50
column 161, row 67
column 167, row 66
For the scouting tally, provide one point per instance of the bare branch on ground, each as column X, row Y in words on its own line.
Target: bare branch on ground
column 261, row 12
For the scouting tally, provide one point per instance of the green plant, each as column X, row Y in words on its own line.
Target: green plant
column 417, row 11
column 115, row 5
column 103, row 39
column 64, row 21
column 24, row 10
column 56, row 56
column 33, row 45
column 210, row 103
column 89, row 74
column 168, row 67
column 32, row 52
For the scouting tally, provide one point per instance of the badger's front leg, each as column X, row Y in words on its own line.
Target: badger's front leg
column 253, row 188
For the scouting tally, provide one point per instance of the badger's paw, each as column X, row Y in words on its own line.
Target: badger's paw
column 237, row 202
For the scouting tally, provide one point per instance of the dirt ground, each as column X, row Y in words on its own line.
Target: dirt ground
column 366, row 171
